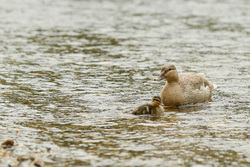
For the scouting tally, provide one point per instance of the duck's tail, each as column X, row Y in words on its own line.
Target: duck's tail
column 214, row 86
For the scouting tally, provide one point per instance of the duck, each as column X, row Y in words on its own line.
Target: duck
column 184, row 88
column 155, row 109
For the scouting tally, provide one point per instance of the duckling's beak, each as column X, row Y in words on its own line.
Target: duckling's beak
column 161, row 77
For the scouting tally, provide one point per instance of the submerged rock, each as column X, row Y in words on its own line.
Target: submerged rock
column 7, row 144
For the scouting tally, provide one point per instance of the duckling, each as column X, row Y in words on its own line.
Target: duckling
column 155, row 109
column 185, row 88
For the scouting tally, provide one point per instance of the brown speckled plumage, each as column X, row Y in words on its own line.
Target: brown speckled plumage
column 154, row 109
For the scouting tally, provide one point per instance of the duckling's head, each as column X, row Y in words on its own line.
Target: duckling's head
column 168, row 72
column 156, row 101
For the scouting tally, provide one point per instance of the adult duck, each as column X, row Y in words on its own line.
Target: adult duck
column 185, row 88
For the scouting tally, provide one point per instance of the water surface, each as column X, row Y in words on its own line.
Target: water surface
column 72, row 71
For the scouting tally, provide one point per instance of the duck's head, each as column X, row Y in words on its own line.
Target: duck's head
column 168, row 72
column 156, row 101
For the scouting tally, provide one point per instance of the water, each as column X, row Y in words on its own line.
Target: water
column 72, row 71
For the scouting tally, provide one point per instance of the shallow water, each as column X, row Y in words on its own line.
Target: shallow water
column 72, row 71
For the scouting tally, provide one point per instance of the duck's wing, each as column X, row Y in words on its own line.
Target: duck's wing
column 196, row 88
column 144, row 109
column 194, row 81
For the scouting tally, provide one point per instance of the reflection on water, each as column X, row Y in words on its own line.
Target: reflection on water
column 72, row 71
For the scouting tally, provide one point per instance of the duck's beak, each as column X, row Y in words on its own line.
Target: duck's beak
column 161, row 77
